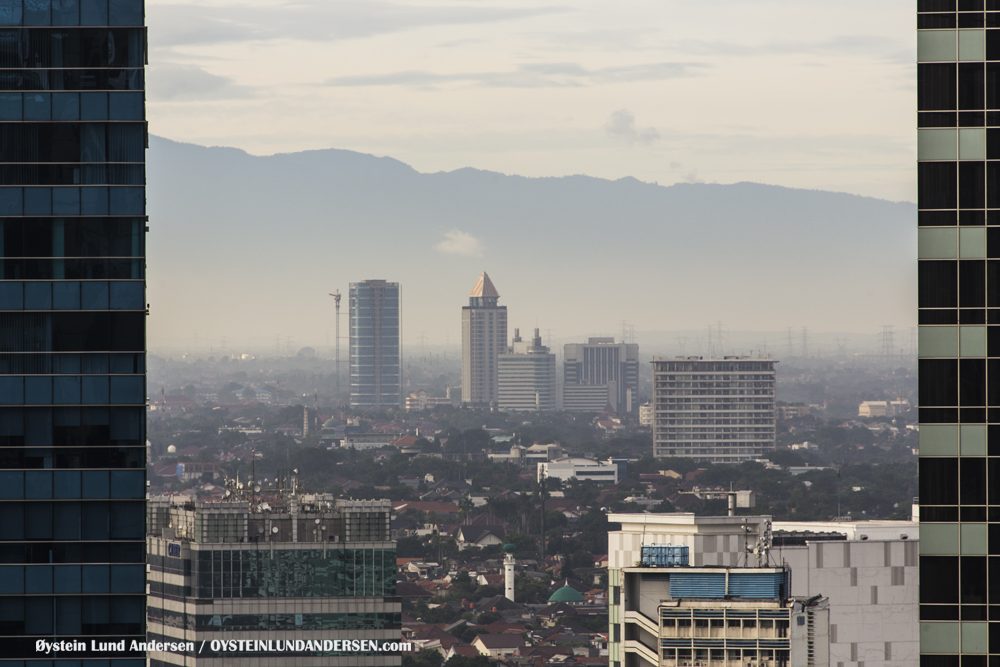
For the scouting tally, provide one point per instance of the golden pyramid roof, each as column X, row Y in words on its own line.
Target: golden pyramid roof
column 484, row 287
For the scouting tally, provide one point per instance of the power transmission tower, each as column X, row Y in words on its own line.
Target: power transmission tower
column 628, row 332
column 887, row 346
column 805, row 342
column 790, row 350
column 842, row 344
column 422, row 339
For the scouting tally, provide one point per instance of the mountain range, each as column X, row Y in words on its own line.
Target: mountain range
column 247, row 248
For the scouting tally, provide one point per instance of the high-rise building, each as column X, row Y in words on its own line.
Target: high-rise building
column 718, row 410
column 276, row 568
column 526, row 376
column 72, row 329
column 601, row 362
column 484, row 338
column 958, row 103
column 374, row 343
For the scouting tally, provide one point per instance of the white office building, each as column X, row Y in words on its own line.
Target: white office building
column 580, row 468
column 867, row 571
column 526, row 376
column 717, row 410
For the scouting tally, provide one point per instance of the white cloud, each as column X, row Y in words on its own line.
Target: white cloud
column 457, row 242
column 171, row 82
column 621, row 124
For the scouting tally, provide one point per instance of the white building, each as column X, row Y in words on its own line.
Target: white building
column 646, row 414
column 526, row 376
column 579, row 468
column 539, row 453
column 515, row 456
column 422, row 400
column 528, row 457
column 680, row 616
column 718, row 410
column 867, row 570
column 883, row 408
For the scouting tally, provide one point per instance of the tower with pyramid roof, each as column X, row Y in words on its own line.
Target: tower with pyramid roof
column 484, row 338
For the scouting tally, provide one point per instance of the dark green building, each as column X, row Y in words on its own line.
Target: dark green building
column 297, row 574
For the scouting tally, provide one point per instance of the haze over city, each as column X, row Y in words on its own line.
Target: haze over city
column 776, row 93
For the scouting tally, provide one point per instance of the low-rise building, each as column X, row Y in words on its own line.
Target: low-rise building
column 579, row 468
column 883, row 408
column 498, row 646
column 422, row 400
column 792, row 411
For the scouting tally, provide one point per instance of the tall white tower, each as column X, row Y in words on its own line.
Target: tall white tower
column 508, row 571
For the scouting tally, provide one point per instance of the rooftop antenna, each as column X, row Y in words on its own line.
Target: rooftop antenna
column 336, row 354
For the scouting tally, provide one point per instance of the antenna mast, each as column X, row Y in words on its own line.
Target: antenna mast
column 336, row 297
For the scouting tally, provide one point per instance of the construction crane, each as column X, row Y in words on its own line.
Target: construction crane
column 336, row 296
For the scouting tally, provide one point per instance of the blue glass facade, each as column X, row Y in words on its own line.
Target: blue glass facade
column 374, row 344
column 72, row 329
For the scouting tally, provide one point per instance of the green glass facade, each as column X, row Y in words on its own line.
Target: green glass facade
column 313, row 569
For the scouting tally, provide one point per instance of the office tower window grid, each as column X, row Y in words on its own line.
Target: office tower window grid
column 374, row 343
column 601, row 362
column 958, row 119
column 484, row 338
column 719, row 410
column 72, row 328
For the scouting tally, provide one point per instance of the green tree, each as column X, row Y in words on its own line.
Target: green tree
column 426, row 658
column 531, row 591
column 460, row 661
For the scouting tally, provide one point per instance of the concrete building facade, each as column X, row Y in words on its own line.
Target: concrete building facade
column 717, row 410
column 526, row 376
column 374, row 344
column 646, row 414
column 866, row 570
column 581, row 469
column 683, row 616
column 601, row 362
column 484, row 338
column 291, row 567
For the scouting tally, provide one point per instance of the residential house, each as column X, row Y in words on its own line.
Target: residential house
column 498, row 646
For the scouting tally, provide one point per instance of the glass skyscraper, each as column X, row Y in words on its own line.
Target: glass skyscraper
column 72, row 330
column 374, row 344
column 958, row 119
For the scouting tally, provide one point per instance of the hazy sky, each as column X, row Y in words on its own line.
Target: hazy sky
column 795, row 92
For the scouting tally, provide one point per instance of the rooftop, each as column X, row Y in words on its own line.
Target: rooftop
column 484, row 287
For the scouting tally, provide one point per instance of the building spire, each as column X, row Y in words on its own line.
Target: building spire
column 484, row 287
